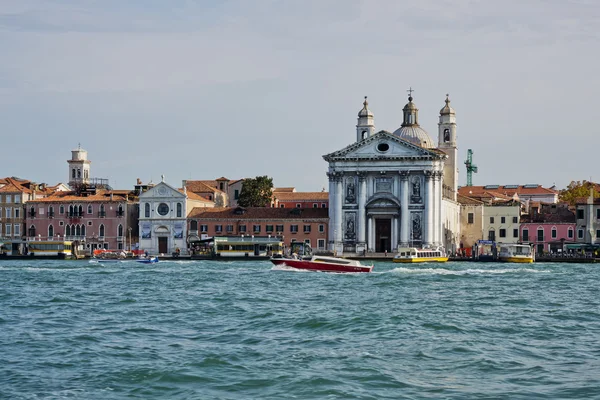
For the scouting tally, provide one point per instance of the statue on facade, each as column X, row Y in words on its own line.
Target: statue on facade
column 416, row 227
column 350, row 193
column 416, row 190
column 350, row 234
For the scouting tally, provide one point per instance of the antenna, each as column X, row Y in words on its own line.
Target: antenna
column 470, row 167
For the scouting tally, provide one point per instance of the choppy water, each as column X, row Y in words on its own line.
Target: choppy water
column 241, row 330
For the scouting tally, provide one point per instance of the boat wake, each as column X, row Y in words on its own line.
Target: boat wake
column 444, row 271
column 283, row 267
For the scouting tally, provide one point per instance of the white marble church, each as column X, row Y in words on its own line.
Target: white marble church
column 390, row 190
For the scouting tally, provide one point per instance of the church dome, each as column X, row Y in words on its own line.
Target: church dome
column 415, row 134
column 410, row 129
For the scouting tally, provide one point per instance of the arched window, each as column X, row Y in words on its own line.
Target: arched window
column 50, row 211
column 540, row 234
column 147, row 210
column 50, row 231
column 120, row 230
column 73, row 173
column 82, row 230
column 193, row 225
column 32, row 231
column 553, row 232
column 101, row 207
column 78, row 230
column 179, row 209
column 80, row 210
column 71, row 211
column 68, row 230
column 90, row 209
column 61, row 209
column 101, row 234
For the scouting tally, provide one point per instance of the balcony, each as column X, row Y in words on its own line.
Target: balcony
column 101, row 214
column 31, row 213
column 50, row 214
column 120, row 213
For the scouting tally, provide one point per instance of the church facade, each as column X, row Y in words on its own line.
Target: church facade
column 390, row 190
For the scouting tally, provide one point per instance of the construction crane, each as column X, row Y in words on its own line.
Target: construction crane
column 470, row 167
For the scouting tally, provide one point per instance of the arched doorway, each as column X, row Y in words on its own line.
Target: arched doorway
column 383, row 231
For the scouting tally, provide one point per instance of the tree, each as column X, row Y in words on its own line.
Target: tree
column 575, row 190
column 256, row 192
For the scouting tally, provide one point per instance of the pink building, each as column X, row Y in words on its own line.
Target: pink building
column 549, row 228
column 97, row 219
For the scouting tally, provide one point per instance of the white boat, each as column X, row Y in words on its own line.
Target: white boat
column 415, row 255
column 516, row 253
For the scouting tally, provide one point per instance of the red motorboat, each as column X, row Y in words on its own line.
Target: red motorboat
column 323, row 264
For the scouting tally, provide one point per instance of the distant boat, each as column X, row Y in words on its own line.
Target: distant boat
column 516, row 253
column 149, row 260
column 415, row 255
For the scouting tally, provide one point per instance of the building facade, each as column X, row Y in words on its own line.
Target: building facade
column 308, row 225
column 162, row 218
column 588, row 220
column 390, row 190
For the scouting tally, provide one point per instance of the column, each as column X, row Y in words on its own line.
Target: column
column 404, row 214
column 394, row 233
column 362, row 213
column 339, row 229
column 332, row 205
column 440, row 225
column 370, row 233
column 436, row 212
column 429, row 194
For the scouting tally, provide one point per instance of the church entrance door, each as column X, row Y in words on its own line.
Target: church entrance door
column 162, row 245
column 383, row 232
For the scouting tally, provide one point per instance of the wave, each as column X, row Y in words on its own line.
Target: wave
column 444, row 271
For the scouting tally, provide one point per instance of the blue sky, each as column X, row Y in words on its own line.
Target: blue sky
column 203, row 89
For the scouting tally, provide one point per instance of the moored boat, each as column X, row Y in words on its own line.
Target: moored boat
column 415, row 255
column 516, row 253
column 149, row 260
column 323, row 264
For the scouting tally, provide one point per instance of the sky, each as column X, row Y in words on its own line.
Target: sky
column 235, row 88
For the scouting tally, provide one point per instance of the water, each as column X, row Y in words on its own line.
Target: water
column 241, row 330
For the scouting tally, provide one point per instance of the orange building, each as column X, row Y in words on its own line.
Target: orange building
column 308, row 225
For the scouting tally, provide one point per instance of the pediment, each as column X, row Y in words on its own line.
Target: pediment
column 383, row 202
column 162, row 190
column 383, row 145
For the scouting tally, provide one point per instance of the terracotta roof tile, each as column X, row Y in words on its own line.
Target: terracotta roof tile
column 202, row 186
column 251, row 213
column 301, row 196
column 67, row 197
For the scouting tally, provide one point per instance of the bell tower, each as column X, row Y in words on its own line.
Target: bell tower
column 366, row 122
column 79, row 167
column 447, row 143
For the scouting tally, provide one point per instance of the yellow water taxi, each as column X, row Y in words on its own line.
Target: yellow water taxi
column 516, row 253
column 414, row 255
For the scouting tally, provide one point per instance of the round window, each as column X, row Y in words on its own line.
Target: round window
column 383, row 147
column 163, row 209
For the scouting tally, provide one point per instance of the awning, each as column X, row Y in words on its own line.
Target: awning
column 587, row 246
